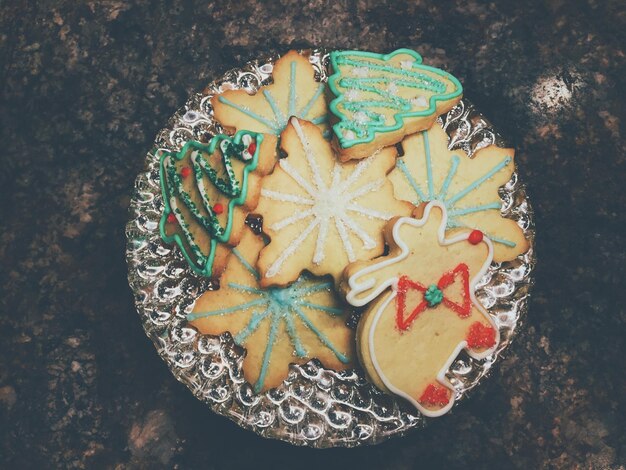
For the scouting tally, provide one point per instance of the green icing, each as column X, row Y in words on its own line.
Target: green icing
column 172, row 191
column 358, row 122
column 433, row 295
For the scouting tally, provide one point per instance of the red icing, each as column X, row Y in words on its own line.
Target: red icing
column 435, row 395
column 218, row 208
column 171, row 218
column 252, row 147
column 185, row 171
column 475, row 237
column 480, row 336
column 463, row 308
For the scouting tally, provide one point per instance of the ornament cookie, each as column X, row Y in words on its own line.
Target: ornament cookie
column 208, row 189
column 277, row 326
column 378, row 99
column 467, row 187
column 295, row 92
column 421, row 308
column 322, row 214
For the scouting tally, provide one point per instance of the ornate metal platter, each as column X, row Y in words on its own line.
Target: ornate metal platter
column 314, row 406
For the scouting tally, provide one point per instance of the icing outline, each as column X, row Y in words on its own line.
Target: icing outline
column 204, row 264
column 333, row 83
column 356, row 288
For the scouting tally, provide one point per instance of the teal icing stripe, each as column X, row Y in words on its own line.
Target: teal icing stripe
column 304, row 111
column 409, row 177
column 293, row 336
column 320, row 119
column 266, row 355
column 251, row 327
column 502, row 241
column 322, row 308
column 479, row 181
column 321, row 336
column 472, row 209
column 429, row 167
column 251, row 114
column 246, row 265
column 454, row 164
column 278, row 114
column 222, row 311
column 292, row 90
column 244, row 288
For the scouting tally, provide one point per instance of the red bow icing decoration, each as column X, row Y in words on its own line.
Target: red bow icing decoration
column 433, row 296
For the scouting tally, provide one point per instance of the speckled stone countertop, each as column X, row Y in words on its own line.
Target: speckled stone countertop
column 86, row 85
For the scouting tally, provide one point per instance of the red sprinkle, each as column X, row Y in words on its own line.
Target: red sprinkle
column 218, row 208
column 475, row 237
column 171, row 218
column 252, row 147
column 185, row 172
column 480, row 336
column 435, row 395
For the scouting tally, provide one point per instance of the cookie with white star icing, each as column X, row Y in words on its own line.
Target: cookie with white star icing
column 468, row 187
column 379, row 99
column 277, row 326
column 420, row 307
column 294, row 92
column 322, row 214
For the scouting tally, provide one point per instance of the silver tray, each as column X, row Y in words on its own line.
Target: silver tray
column 314, row 406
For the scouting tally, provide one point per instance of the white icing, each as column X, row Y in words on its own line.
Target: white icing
column 246, row 140
column 329, row 203
column 392, row 88
column 360, row 71
column 352, row 94
column 361, row 118
column 420, row 101
column 378, row 286
column 406, row 64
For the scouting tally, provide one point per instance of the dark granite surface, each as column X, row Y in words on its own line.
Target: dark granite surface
column 87, row 84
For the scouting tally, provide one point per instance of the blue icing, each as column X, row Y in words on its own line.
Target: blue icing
column 276, row 305
column 280, row 118
column 451, row 202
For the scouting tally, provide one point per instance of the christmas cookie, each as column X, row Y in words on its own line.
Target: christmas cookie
column 421, row 308
column 208, row 189
column 322, row 214
column 467, row 187
column 294, row 92
column 378, row 99
column 277, row 326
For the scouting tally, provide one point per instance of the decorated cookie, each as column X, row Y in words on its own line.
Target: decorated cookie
column 294, row 92
column 208, row 189
column 277, row 326
column 421, row 308
column 378, row 99
column 467, row 187
column 322, row 214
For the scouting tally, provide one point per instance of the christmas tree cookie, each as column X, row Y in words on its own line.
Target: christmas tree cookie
column 322, row 214
column 467, row 187
column 378, row 99
column 421, row 308
column 276, row 325
column 294, row 92
column 208, row 189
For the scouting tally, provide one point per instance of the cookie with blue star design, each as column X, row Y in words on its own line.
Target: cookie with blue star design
column 294, row 92
column 276, row 325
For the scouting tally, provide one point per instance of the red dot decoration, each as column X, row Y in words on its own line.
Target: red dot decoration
column 480, row 336
column 218, row 208
column 252, row 147
column 185, row 172
column 171, row 218
column 435, row 395
column 475, row 237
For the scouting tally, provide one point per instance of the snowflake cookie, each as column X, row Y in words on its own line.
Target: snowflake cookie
column 322, row 214
column 421, row 308
column 379, row 99
column 467, row 187
column 208, row 189
column 276, row 325
column 294, row 92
